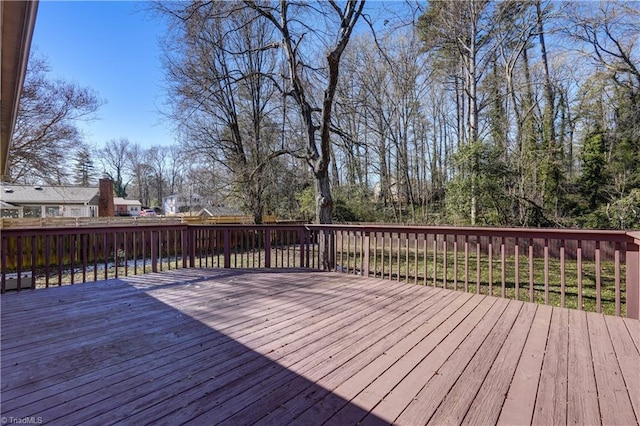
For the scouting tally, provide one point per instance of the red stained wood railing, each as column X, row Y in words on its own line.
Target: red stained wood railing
column 43, row 257
column 580, row 269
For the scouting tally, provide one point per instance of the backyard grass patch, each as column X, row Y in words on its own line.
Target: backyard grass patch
column 404, row 265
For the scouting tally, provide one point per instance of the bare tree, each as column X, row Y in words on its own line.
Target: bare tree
column 46, row 134
column 221, row 64
column 609, row 34
column 176, row 168
column 612, row 32
column 116, row 164
column 316, row 116
column 158, row 160
column 380, row 102
column 460, row 32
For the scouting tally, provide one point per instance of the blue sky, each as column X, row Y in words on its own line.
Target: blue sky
column 111, row 47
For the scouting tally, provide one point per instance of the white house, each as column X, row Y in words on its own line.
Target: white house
column 48, row 201
column 126, row 207
column 181, row 203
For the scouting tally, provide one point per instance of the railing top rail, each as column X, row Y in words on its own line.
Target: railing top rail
column 635, row 235
column 540, row 233
column 52, row 222
column 274, row 226
column 67, row 230
column 64, row 230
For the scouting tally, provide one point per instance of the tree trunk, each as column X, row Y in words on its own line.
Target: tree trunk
column 553, row 155
column 472, row 90
column 324, row 211
column 324, row 201
column 318, row 159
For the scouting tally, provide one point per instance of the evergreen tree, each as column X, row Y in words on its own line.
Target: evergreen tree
column 594, row 178
column 83, row 170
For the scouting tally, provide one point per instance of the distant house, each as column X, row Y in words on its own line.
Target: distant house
column 181, row 203
column 126, row 207
column 392, row 190
column 32, row 201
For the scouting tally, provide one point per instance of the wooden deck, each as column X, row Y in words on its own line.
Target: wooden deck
column 300, row 347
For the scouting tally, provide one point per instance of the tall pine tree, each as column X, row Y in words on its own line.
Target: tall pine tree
column 83, row 169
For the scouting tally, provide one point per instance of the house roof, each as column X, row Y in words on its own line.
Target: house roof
column 220, row 211
column 35, row 194
column 5, row 205
column 17, row 21
column 119, row 201
column 184, row 195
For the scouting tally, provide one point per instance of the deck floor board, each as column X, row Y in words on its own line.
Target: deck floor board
column 551, row 402
column 520, row 399
column 274, row 347
column 628, row 358
column 582, row 395
column 358, row 356
column 615, row 402
column 485, row 407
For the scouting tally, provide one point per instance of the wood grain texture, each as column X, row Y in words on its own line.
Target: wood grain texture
column 521, row 396
column 615, row 402
column 207, row 346
column 628, row 358
column 582, row 395
column 551, row 402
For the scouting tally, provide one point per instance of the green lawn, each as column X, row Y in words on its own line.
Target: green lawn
column 404, row 267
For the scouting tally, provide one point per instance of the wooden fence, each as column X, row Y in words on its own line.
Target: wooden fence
column 65, row 222
column 62, row 222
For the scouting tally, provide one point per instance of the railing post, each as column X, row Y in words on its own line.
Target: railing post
column 192, row 247
column 19, row 251
column 227, row 247
column 365, row 254
column 34, row 260
column 154, row 251
column 3, row 263
column 633, row 279
column 332, row 250
column 267, row 247
column 308, row 241
column 185, row 246
column 302, row 239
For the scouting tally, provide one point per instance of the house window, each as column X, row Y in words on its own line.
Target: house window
column 52, row 211
column 32, row 211
column 75, row 211
column 11, row 213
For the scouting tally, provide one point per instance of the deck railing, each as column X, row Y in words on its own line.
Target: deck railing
column 582, row 269
column 40, row 257
column 591, row 270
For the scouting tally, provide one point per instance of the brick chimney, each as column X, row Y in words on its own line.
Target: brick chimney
column 105, row 202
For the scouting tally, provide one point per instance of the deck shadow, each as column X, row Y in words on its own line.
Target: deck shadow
column 144, row 360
